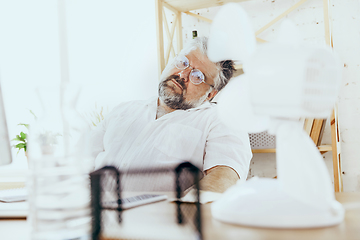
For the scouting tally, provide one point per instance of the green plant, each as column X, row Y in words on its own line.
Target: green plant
column 21, row 139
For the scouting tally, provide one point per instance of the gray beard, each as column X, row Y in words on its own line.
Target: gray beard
column 175, row 100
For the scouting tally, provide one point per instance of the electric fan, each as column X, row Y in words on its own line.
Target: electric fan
column 282, row 82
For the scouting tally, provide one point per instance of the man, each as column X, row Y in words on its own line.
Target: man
column 180, row 125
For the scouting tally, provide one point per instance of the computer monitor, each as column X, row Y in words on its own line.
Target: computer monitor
column 5, row 149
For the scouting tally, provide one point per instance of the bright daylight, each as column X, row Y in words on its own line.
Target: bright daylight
column 179, row 120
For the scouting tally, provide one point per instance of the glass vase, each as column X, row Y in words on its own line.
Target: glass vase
column 59, row 189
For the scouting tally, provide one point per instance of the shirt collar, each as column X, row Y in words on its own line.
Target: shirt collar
column 205, row 105
column 154, row 101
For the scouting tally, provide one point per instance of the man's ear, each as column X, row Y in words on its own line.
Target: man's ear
column 212, row 94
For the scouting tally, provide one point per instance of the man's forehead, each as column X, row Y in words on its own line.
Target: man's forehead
column 199, row 60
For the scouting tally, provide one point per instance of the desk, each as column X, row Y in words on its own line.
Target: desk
column 215, row 230
column 18, row 229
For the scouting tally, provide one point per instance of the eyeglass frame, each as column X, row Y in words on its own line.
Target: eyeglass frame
column 192, row 69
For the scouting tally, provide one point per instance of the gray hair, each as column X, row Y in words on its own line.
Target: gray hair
column 226, row 68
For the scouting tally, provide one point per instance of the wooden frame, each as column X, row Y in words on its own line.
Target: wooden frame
column 314, row 127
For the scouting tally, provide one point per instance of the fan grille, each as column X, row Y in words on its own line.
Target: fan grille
column 262, row 140
column 320, row 83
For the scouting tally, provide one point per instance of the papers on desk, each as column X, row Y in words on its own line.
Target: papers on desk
column 13, row 195
column 13, row 204
column 205, row 197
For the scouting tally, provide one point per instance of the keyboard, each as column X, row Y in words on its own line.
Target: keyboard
column 135, row 201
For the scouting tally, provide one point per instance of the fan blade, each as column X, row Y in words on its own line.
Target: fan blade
column 231, row 35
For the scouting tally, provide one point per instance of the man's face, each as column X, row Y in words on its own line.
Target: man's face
column 178, row 92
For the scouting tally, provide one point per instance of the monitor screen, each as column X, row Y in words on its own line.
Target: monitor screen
column 5, row 151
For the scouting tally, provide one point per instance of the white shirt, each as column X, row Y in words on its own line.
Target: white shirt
column 131, row 138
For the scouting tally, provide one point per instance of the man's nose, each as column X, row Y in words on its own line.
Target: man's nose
column 185, row 74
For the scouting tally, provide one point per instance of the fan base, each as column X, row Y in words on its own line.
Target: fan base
column 260, row 202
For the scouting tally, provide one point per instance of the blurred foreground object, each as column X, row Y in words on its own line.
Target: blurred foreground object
column 282, row 82
column 59, row 193
column 5, row 151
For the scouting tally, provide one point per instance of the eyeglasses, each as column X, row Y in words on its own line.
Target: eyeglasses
column 196, row 76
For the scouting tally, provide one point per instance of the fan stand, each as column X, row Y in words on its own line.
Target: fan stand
column 301, row 197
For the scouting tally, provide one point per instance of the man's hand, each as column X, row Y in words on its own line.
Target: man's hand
column 218, row 179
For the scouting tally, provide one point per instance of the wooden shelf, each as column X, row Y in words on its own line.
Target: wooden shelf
column 325, row 148
column 189, row 5
column 322, row 149
column 264, row 150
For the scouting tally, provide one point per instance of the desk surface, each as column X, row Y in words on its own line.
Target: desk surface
column 161, row 214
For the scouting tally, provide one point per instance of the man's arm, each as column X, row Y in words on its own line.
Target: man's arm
column 227, row 156
column 218, row 179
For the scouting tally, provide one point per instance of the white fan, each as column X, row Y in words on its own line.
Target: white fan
column 282, row 82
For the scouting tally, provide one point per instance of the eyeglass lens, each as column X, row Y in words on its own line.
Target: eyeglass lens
column 196, row 76
column 182, row 62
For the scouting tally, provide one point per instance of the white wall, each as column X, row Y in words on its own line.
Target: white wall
column 28, row 55
column 112, row 53
column 310, row 20
column 346, row 25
